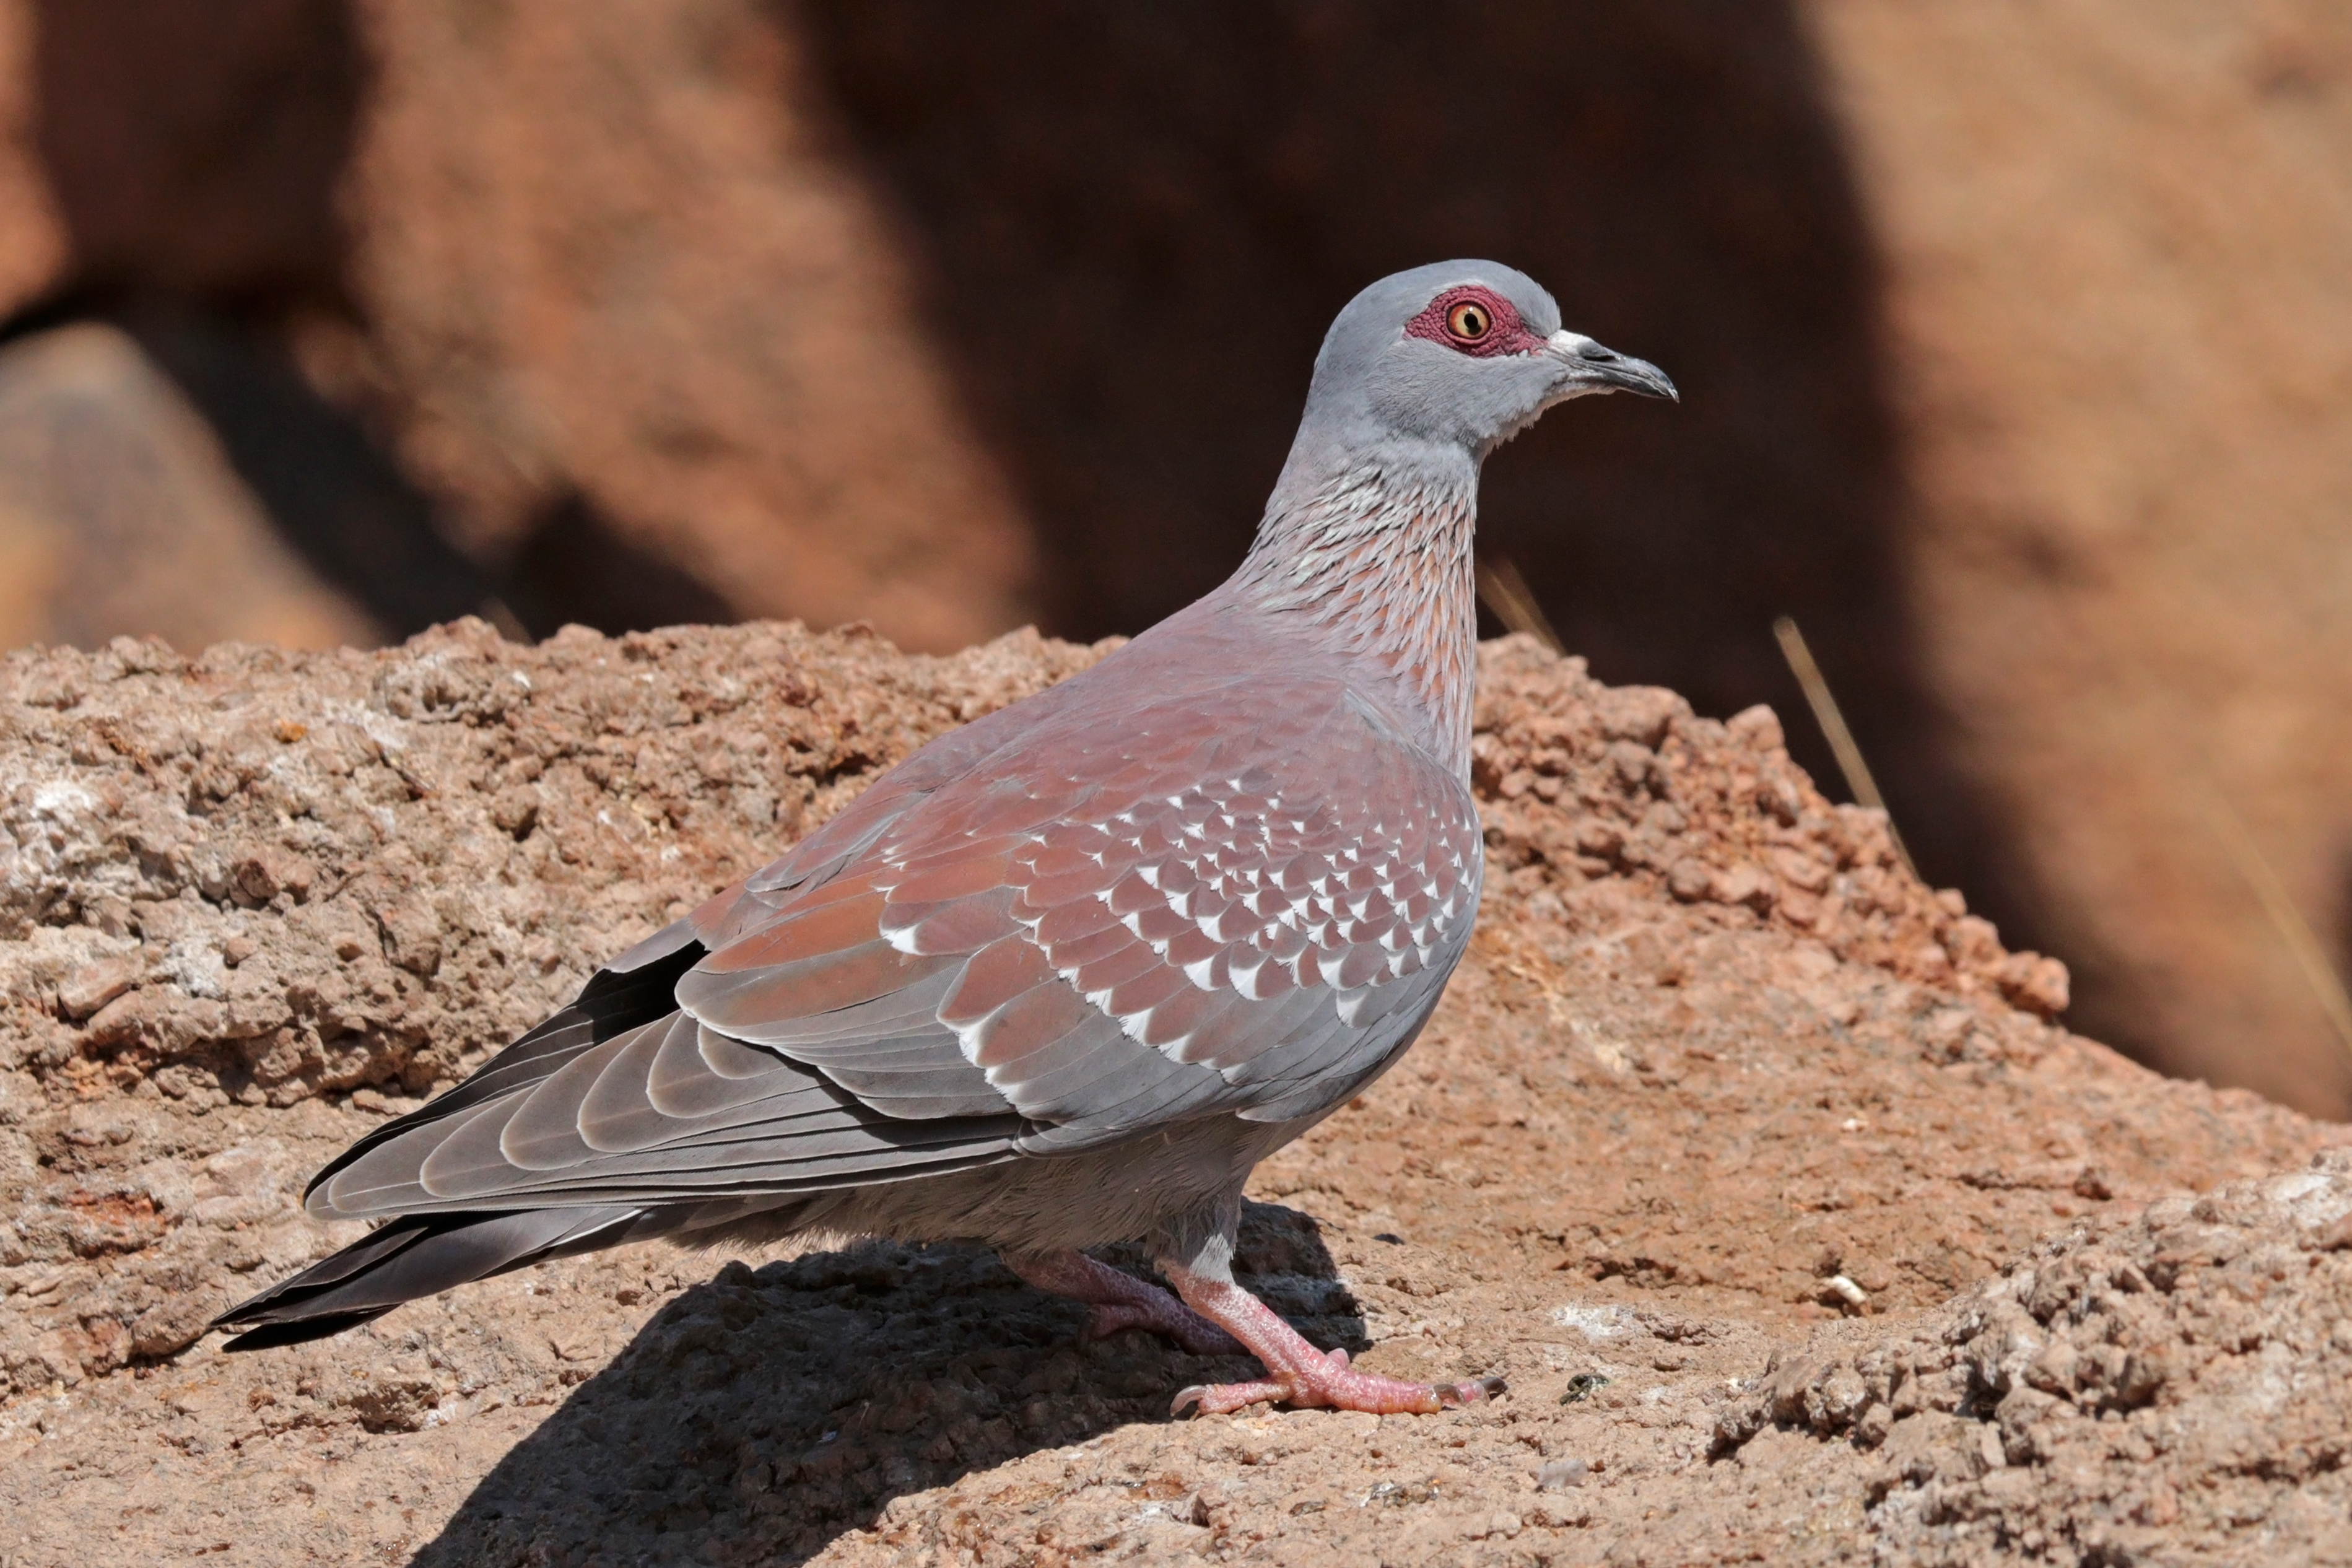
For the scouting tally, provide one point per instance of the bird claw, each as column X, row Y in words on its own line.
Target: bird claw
column 1298, row 1373
column 1224, row 1398
column 1451, row 1394
column 1338, row 1388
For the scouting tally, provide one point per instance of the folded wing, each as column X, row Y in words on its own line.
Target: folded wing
column 1243, row 903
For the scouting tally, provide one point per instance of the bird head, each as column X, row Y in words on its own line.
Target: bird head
column 1460, row 353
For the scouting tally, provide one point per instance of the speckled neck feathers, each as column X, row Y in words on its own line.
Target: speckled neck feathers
column 1377, row 564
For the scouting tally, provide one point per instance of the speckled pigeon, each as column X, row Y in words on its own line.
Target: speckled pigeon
column 1065, row 975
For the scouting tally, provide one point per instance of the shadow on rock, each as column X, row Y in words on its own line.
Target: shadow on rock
column 757, row 1417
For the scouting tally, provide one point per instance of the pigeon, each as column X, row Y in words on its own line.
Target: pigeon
column 1065, row 975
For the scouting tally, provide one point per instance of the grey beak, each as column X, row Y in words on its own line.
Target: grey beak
column 1630, row 374
column 1607, row 367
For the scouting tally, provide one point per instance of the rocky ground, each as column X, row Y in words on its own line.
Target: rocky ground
column 1800, row 1231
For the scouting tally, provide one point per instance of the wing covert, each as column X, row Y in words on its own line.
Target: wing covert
column 1146, row 922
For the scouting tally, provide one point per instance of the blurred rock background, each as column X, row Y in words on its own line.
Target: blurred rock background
column 2016, row 340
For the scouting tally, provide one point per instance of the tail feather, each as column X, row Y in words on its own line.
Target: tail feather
column 419, row 1256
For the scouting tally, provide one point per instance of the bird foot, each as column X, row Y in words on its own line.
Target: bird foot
column 1329, row 1382
column 1297, row 1371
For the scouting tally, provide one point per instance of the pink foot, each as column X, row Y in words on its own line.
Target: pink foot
column 1117, row 1301
column 1334, row 1385
column 1297, row 1371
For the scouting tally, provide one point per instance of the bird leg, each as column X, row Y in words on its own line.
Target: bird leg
column 1117, row 1299
column 1298, row 1372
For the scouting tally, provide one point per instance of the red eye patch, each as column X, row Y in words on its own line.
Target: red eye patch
column 1474, row 320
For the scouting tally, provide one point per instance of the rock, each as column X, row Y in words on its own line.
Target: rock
column 2049, row 599
column 90, row 988
column 263, row 874
column 2183, row 1365
column 304, row 157
column 1559, row 1475
column 1644, row 1132
column 1690, row 880
column 810, row 462
column 119, row 514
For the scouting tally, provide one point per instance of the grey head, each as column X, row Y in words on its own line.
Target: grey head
column 1448, row 360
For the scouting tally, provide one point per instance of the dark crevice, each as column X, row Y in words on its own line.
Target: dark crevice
column 574, row 567
column 342, row 505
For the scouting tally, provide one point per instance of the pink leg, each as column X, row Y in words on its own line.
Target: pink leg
column 1298, row 1371
column 1115, row 1300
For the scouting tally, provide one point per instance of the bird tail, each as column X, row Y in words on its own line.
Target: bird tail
column 421, row 1255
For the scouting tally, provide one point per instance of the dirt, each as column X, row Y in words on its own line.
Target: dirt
column 2201, row 1348
column 1799, row 1227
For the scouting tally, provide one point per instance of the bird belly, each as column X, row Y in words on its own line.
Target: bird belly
column 1040, row 1203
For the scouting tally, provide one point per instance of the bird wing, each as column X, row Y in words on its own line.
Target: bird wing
column 1241, row 900
column 1238, row 900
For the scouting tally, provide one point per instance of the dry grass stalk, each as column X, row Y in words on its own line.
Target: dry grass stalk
column 2301, row 943
column 1826, row 713
column 1508, row 599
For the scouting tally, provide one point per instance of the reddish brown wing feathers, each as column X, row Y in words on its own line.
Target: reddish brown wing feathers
column 1228, row 904
column 1245, row 901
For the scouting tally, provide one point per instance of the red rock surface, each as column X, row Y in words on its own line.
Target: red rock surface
column 2109, row 234
column 2013, row 336
column 1718, row 1084
column 119, row 509
column 606, row 257
column 621, row 251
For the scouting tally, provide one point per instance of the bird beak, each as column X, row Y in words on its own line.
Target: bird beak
column 1606, row 370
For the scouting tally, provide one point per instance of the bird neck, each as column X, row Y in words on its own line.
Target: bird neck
column 1376, row 565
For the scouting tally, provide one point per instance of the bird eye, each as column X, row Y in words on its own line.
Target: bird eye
column 1469, row 321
